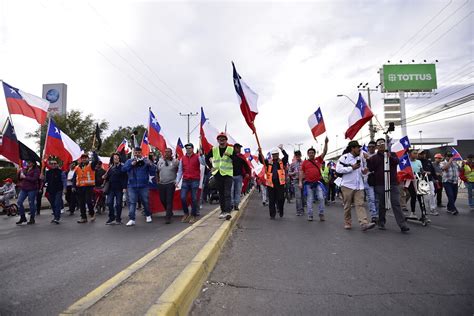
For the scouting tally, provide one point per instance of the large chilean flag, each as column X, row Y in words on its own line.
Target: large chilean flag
column 10, row 147
column 209, row 134
column 58, row 144
column 155, row 134
column 247, row 99
column 316, row 123
column 22, row 103
column 359, row 116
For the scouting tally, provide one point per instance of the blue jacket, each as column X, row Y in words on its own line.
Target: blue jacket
column 116, row 177
column 139, row 177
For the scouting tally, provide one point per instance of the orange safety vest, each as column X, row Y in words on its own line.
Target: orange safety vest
column 281, row 174
column 85, row 177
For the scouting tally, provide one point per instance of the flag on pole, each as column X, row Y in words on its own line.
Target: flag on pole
column 405, row 170
column 209, row 134
column 97, row 137
column 22, row 103
column 359, row 116
column 456, row 154
column 247, row 152
column 145, row 146
column 60, row 145
column 10, row 148
column 27, row 154
column 123, row 147
column 155, row 134
column 179, row 149
column 247, row 99
column 316, row 123
column 401, row 146
column 365, row 149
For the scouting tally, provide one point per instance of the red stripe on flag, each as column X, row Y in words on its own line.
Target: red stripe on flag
column 21, row 107
column 318, row 129
column 156, row 139
column 354, row 129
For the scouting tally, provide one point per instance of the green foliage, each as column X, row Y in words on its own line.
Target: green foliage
column 110, row 143
column 8, row 172
column 78, row 127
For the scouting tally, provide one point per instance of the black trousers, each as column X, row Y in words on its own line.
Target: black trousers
column 166, row 197
column 439, row 190
column 414, row 197
column 276, row 198
column 84, row 197
column 332, row 191
column 224, row 186
column 71, row 199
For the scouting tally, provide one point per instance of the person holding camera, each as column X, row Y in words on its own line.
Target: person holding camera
column 167, row 172
column 138, row 169
column 352, row 185
column 376, row 164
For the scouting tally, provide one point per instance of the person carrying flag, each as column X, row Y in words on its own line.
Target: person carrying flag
column 376, row 165
column 450, row 181
column 310, row 180
column 222, row 168
column 83, row 183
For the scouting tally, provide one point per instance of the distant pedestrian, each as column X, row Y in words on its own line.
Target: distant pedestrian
column 352, row 185
column 430, row 172
column 84, row 182
column 468, row 167
column 438, row 179
column 241, row 170
column 417, row 168
column 29, row 184
column 450, row 181
column 54, row 182
column 294, row 173
column 167, row 173
column 369, row 184
column 71, row 198
column 117, row 183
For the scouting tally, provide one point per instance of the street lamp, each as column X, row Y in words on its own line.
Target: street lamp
column 421, row 140
column 343, row 95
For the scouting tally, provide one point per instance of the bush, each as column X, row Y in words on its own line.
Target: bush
column 8, row 172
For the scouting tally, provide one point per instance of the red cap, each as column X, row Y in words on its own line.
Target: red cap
column 222, row 134
column 9, row 180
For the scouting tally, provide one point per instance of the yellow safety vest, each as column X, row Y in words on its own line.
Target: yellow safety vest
column 223, row 164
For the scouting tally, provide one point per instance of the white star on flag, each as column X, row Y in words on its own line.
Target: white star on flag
column 404, row 162
column 154, row 121
column 12, row 91
column 236, row 82
column 56, row 130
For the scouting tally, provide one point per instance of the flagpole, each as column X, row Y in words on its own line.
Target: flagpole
column 43, row 165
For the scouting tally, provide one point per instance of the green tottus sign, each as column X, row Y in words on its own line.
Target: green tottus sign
column 415, row 77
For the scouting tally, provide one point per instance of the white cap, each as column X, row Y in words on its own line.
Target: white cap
column 275, row 151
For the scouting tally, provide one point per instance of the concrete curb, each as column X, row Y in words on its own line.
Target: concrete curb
column 80, row 306
column 179, row 296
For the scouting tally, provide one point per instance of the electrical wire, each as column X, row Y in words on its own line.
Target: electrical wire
column 431, row 102
column 441, row 119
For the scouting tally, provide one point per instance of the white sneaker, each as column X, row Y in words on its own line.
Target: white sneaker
column 148, row 219
column 62, row 211
column 222, row 215
column 434, row 213
column 413, row 215
column 130, row 223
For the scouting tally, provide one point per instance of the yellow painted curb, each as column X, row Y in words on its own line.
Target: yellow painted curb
column 179, row 296
column 98, row 293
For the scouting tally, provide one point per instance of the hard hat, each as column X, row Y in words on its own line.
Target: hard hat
column 438, row 156
column 9, row 180
column 222, row 134
column 274, row 151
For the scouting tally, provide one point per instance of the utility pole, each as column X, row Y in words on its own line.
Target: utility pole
column 189, row 116
column 365, row 87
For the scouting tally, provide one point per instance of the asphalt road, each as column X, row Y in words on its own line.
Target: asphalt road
column 291, row 266
column 47, row 267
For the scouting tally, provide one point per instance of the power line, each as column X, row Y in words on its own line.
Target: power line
column 441, row 119
column 424, row 105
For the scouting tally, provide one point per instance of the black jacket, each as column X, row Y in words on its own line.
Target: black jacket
column 54, row 180
column 117, row 178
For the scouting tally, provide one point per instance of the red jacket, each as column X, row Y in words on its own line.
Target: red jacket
column 191, row 167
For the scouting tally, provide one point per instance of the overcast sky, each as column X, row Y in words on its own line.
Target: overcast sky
column 120, row 57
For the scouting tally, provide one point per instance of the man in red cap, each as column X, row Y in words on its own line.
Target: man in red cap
column 7, row 192
column 222, row 168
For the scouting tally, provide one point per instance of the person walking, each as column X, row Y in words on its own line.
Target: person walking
column 117, row 182
column 84, row 181
column 450, row 181
column 417, row 168
column 430, row 171
column 275, row 172
column 310, row 180
column 189, row 170
column 369, row 184
column 468, row 167
column 241, row 170
column 167, row 173
column 294, row 173
column 438, row 179
column 352, row 185
column 376, row 165
column 138, row 170
column 222, row 168
column 54, row 182
column 29, row 184
column 71, row 198
column 331, row 184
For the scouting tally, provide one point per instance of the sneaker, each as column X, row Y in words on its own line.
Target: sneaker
column 82, row 221
column 62, row 211
column 21, row 221
column 347, row 226
column 413, row 215
column 31, row 221
column 236, row 208
column 455, row 212
column 222, row 215
column 93, row 218
column 434, row 213
column 130, row 223
column 185, row 218
column 449, row 211
column 148, row 219
column 374, row 220
column 228, row 217
column 368, row 226
column 192, row 219
column 168, row 220
column 382, row 227
column 310, row 218
column 404, row 229
column 280, row 213
column 118, row 222
column 55, row 221
column 321, row 218
column 110, row 222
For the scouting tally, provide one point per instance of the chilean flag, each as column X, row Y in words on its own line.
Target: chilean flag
column 400, row 147
column 179, row 149
column 247, row 99
column 247, row 153
column 456, row 154
column 405, row 171
column 257, row 167
column 60, row 145
column 365, row 148
column 9, row 147
column 155, row 134
column 316, row 123
column 359, row 116
column 208, row 133
column 145, row 146
column 123, row 146
column 22, row 103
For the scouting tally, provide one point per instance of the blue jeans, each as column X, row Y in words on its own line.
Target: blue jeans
column 311, row 190
column 236, row 191
column 56, row 198
column 31, row 195
column 114, row 202
column 469, row 186
column 133, row 194
column 186, row 186
column 451, row 190
column 371, row 200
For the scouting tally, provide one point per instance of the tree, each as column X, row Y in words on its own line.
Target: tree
column 78, row 127
column 110, row 143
